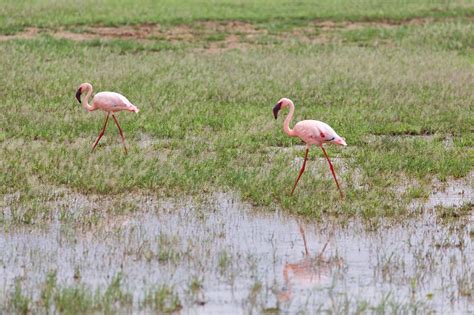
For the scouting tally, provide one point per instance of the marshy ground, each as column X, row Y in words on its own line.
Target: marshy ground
column 198, row 218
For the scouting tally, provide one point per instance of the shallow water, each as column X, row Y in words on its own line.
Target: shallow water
column 249, row 260
column 454, row 193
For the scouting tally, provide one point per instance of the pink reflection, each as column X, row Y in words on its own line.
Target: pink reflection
column 308, row 272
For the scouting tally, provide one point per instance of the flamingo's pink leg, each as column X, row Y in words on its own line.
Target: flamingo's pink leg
column 333, row 173
column 121, row 133
column 102, row 132
column 301, row 171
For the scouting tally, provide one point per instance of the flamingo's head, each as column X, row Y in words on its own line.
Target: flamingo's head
column 83, row 87
column 282, row 103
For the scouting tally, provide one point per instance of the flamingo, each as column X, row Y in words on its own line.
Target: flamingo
column 109, row 102
column 312, row 132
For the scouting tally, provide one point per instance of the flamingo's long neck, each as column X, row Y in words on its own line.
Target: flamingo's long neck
column 85, row 100
column 286, row 123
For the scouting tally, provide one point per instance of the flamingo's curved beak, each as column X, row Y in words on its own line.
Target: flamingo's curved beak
column 78, row 95
column 276, row 109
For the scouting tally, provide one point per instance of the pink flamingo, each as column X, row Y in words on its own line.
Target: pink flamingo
column 109, row 102
column 312, row 132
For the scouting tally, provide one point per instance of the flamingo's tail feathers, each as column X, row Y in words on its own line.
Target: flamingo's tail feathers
column 134, row 109
column 341, row 141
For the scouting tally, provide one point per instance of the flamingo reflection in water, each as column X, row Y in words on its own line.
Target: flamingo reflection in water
column 308, row 272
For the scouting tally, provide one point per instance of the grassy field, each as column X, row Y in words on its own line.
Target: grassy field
column 56, row 13
column 395, row 78
column 206, row 122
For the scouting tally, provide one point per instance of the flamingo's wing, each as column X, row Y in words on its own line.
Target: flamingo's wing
column 326, row 133
column 125, row 102
column 315, row 132
column 111, row 101
column 329, row 135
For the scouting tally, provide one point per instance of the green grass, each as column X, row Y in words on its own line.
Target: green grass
column 451, row 35
column 207, row 116
column 163, row 299
column 20, row 302
column 70, row 299
column 15, row 15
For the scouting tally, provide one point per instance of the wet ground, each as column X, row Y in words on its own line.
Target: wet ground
column 219, row 255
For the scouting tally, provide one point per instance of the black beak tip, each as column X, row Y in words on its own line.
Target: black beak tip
column 78, row 95
column 276, row 109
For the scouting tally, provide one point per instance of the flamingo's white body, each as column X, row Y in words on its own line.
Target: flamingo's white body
column 109, row 102
column 312, row 132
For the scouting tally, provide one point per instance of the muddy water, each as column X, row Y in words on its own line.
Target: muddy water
column 250, row 261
